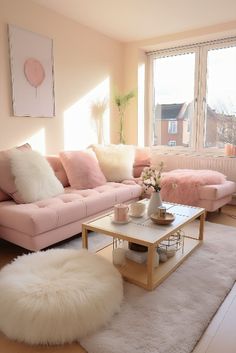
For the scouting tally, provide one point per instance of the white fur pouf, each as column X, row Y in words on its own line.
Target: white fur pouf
column 57, row 296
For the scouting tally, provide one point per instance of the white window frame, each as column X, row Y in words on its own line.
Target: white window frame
column 200, row 88
column 172, row 127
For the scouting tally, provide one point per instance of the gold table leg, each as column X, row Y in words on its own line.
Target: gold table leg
column 150, row 266
column 84, row 237
column 201, row 226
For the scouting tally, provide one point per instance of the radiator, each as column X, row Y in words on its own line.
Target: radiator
column 225, row 165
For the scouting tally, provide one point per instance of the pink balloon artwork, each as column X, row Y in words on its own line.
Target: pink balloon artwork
column 34, row 72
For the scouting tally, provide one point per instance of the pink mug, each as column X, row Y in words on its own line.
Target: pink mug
column 121, row 212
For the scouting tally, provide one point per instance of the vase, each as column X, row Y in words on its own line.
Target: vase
column 154, row 202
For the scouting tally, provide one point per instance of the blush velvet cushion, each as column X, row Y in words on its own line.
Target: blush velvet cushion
column 82, row 169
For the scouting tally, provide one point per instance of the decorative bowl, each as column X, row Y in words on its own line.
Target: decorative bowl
column 167, row 219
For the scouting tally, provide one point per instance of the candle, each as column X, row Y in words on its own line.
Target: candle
column 229, row 149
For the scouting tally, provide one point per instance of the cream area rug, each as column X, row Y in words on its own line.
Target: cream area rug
column 172, row 318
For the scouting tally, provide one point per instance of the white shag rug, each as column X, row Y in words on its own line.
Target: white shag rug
column 57, row 296
column 172, row 318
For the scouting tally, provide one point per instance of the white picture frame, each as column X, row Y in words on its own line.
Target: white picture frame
column 32, row 73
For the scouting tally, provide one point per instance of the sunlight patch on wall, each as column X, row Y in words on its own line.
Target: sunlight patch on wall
column 88, row 120
column 141, row 90
column 37, row 141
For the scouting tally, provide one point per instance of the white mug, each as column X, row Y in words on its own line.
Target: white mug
column 137, row 209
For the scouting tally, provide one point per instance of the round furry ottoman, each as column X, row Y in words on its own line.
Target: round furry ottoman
column 57, row 296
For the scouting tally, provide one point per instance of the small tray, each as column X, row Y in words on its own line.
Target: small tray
column 169, row 217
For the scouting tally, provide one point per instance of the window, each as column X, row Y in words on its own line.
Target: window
column 172, row 127
column 193, row 95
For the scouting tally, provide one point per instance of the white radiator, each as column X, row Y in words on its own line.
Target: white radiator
column 225, row 165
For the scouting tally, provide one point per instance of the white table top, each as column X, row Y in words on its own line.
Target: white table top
column 143, row 229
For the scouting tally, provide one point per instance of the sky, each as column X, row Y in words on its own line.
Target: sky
column 174, row 79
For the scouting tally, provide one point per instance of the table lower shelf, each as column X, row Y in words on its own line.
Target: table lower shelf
column 137, row 273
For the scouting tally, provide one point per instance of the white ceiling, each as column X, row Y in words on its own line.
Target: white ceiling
column 132, row 20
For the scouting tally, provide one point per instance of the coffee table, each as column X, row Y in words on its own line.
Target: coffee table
column 144, row 232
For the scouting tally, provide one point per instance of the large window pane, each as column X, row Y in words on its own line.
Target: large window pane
column 220, row 123
column 173, row 81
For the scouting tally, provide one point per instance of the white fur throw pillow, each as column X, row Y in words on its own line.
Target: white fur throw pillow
column 116, row 161
column 34, row 177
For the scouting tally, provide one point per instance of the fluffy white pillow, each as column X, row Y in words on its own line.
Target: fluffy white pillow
column 116, row 161
column 34, row 177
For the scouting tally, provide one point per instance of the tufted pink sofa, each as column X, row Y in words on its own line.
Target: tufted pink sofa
column 40, row 224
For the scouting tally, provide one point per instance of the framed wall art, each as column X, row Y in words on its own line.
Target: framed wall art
column 31, row 58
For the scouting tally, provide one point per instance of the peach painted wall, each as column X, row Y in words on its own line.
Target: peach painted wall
column 135, row 58
column 87, row 65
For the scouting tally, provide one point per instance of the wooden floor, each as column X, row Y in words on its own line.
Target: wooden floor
column 218, row 338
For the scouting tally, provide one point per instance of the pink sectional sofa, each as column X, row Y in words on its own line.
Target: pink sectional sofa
column 40, row 224
column 37, row 225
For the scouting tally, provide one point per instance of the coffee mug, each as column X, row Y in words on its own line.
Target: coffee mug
column 137, row 209
column 121, row 212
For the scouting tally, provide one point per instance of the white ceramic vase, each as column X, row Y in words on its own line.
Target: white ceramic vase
column 154, row 202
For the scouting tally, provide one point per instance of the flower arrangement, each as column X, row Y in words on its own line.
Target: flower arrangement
column 151, row 177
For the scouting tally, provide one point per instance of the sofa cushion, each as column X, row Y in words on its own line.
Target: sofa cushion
column 7, row 184
column 142, row 160
column 33, row 177
column 142, row 156
column 82, row 169
column 116, row 161
column 45, row 215
column 58, row 169
column 182, row 185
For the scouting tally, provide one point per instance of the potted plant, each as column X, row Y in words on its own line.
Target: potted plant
column 122, row 101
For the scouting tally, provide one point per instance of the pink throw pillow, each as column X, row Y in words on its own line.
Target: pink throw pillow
column 58, row 169
column 82, row 169
column 142, row 156
column 142, row 159
column 4, row 196
column 7, row 182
